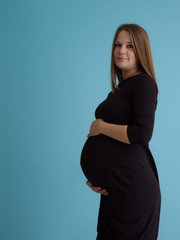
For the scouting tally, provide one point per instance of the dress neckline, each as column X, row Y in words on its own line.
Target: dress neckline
column 131, row 77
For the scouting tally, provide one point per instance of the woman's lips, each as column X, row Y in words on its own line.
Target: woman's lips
column 120, row 58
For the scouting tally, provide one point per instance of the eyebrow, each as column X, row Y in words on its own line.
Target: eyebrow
column 126, row 42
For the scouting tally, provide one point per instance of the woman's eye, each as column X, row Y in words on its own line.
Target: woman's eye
column 119, row 45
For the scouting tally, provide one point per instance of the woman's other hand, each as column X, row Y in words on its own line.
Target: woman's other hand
column 97, row 189
column 96, row 127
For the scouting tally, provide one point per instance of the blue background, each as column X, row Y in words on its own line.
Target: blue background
column 54, row 71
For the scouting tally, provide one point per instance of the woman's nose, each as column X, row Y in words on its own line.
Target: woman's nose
column 122, row 49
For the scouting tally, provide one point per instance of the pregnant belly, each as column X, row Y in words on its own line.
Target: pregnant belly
column 97, row 156
column 105, row 161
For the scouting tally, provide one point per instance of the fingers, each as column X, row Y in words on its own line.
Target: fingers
column 103, row 191
column 97, row 189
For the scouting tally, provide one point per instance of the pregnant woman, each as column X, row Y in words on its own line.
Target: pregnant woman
column 116, row 158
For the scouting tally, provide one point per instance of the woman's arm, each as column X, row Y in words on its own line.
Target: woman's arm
column 118, row 132
column 144, row 100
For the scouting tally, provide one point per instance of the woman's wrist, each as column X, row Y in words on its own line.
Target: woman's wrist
column 103, row 127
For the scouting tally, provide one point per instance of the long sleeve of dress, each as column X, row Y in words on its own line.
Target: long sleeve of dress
column 144, row 100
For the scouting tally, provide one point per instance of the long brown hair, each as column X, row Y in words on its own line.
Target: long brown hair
column 142, row 50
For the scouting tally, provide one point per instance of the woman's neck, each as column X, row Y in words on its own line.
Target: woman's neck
column 128, row 74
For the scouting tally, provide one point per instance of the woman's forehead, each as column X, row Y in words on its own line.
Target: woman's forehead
column 124, row 36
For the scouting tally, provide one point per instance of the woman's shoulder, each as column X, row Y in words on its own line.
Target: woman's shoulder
column 144, row 85
column 143, row 77
column 137, row 82
column 144, row 80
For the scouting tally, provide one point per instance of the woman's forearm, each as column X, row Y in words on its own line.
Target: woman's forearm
column 118, row 132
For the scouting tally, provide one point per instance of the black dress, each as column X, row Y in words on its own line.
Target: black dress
column 127, row 171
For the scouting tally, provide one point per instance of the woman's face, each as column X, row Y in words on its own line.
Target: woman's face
column 124, row 55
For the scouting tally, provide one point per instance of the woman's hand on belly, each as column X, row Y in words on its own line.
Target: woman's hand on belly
column 97, row 189
column 96, row 127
